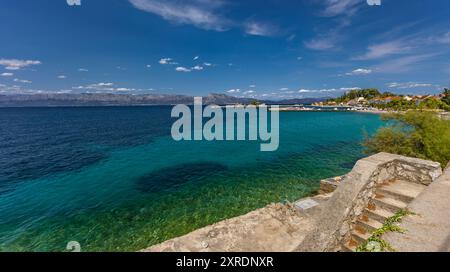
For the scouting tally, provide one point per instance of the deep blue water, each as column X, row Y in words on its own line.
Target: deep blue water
column 113, row 179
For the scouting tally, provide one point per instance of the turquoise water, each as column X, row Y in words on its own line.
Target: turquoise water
column 114, row 180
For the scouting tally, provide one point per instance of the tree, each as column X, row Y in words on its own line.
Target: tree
column 434, row 104
column 446, row 98
column 387, row 94
column 416, row 134
column 366, row 93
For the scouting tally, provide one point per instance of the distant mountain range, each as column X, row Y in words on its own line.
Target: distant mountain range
column 107, row 99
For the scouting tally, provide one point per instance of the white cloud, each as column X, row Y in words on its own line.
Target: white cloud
column 404, row 64
column 197, row 68
column 249, row 92
column 83, row 70
column 408, row 85
column 234, row 91
column 148, row 66
column 341, row 7
column 183, row 69
column 7, row 74
column 103, row 87
column 22, row 81
column 252, row 86
column 62, row 77
column 124, row 89
column 102, row 84
column 15, row 64
column 381, row 50
column 167, row 61
column 259, row 29
column 207, row 64
column 330, row 90
column 359, row 72
column 322, row 42
column 349, row 88
column 200, row 13
column 344, row 11
column 445, row 38
column 14, row 89
column 204, row 14
column 196, row 57
column 284, row 89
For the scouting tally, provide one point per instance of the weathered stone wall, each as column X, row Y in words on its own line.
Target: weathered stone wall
column 356, row 189
column 330, row 185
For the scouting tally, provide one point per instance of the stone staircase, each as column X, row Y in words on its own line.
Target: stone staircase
column 390, row 197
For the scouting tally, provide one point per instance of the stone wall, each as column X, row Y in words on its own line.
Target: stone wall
column 356, row 189
column 330, row 185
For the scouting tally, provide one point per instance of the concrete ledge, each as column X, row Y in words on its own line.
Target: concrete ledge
column 275, row 228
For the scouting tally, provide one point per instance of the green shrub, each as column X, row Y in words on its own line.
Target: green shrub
column 434, row 104
column 416, row 134
column 446, row 98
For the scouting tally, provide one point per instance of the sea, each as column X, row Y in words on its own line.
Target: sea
column 113, row 179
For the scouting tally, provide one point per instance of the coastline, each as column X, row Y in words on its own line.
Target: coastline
column 330, row 109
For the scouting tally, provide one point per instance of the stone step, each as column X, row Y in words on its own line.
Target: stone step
column 378, row 214
column 369, row 224
column 347, row 248
column 389, row 204
column 350, row 246
column 401, row 190
column 361, row 237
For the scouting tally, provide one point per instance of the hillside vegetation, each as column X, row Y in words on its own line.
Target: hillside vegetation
column 415, row 134
column 390, row 101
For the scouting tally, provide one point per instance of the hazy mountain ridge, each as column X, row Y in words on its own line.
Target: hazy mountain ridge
column 107, row 99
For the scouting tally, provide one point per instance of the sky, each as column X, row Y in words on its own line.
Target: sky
column 268, row 49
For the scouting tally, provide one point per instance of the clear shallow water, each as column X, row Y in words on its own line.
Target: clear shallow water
column 112, row 178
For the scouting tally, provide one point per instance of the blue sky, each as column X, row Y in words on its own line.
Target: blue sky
column 263, row 49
